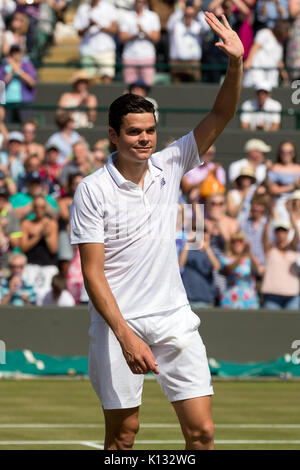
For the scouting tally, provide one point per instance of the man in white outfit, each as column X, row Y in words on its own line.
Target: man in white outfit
column 141, row 318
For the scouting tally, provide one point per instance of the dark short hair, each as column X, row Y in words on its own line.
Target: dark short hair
column 125, row 104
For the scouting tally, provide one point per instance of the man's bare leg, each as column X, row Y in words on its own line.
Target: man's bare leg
column 196, row 422
column 121, row 427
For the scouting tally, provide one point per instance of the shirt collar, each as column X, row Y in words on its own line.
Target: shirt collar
column 153, row 172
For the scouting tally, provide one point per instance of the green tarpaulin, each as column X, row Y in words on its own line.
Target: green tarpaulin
column 30, row 363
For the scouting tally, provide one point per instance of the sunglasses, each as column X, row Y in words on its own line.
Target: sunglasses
column 213, row 203
column 17, row 266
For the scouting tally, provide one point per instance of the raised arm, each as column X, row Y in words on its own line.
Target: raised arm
column 227, row 99
column 138, row 355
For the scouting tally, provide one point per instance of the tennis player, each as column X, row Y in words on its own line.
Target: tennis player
column 141, row 318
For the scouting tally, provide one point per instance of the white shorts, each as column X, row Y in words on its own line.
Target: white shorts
column 177, row 347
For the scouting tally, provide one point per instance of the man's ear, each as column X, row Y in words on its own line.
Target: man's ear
column 113, row 136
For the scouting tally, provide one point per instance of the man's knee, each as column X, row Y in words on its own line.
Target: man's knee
column 122, row 438
column 202, row 436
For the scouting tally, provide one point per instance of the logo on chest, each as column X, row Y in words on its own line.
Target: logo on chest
column 162, row 182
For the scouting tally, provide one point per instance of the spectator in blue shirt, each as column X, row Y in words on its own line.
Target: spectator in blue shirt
column 14, row 289
column 198, row 274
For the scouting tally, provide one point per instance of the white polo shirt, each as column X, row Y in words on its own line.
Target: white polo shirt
column 137, row 227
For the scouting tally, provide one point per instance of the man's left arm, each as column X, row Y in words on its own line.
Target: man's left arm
column 226, row 103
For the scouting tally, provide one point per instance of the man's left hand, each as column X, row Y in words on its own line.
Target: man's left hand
column 231, row 45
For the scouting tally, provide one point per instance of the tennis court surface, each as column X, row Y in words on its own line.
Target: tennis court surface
column 65, row 414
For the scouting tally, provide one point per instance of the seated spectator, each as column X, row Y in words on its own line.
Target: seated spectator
column 19, row 75
column 80, row 163
column 22, row 202
column 139, row 87
column 30, row 146
column 185, row 45
column 139, row 33
column 58, row 295
column 220, row 227
column 10, row 229
column 191, row 183
column 39, row 243
column 80, row 96
column 32, row 11
column 261, row 112
column 280, row 286
column 266, row 56
column 16, row 289
column 7, row 9
column 12, row 159
column 51, row 170
column 239, row 267
column 31, row 164
column 7, row 182
column 100, row 154
column 284, row 177
column 239, row 198
column 16, row 34
column 198, row 278
column 65, row 251
column 255, row 150
column 96, row 24
column 65, row 138
column 253, row 228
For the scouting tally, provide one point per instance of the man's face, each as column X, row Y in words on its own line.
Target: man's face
column 35, row 188
column 256, row 157
column 262, row 95
column 257, row 211
column 80, row 152
column 137, row 139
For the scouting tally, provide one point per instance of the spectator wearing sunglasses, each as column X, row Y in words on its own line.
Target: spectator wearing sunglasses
column 15, row 290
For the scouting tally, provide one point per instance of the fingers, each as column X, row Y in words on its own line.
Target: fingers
column 144, row 364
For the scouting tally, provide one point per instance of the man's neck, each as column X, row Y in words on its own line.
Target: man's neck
column 132, row 171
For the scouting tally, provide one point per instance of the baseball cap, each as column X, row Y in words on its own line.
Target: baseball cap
column 257, row 144
column 33, row 177
column 4, row 192
column 49, row 146
column 263, row 85
column 15, row 135
column 285, row 224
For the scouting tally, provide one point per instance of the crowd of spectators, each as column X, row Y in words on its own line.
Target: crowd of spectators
column 248, row 255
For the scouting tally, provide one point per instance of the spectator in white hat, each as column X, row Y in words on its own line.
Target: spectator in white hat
column 261, row 112
column 255, row 150
column 239, row 198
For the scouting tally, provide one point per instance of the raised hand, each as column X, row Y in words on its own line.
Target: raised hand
column 231, row 45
